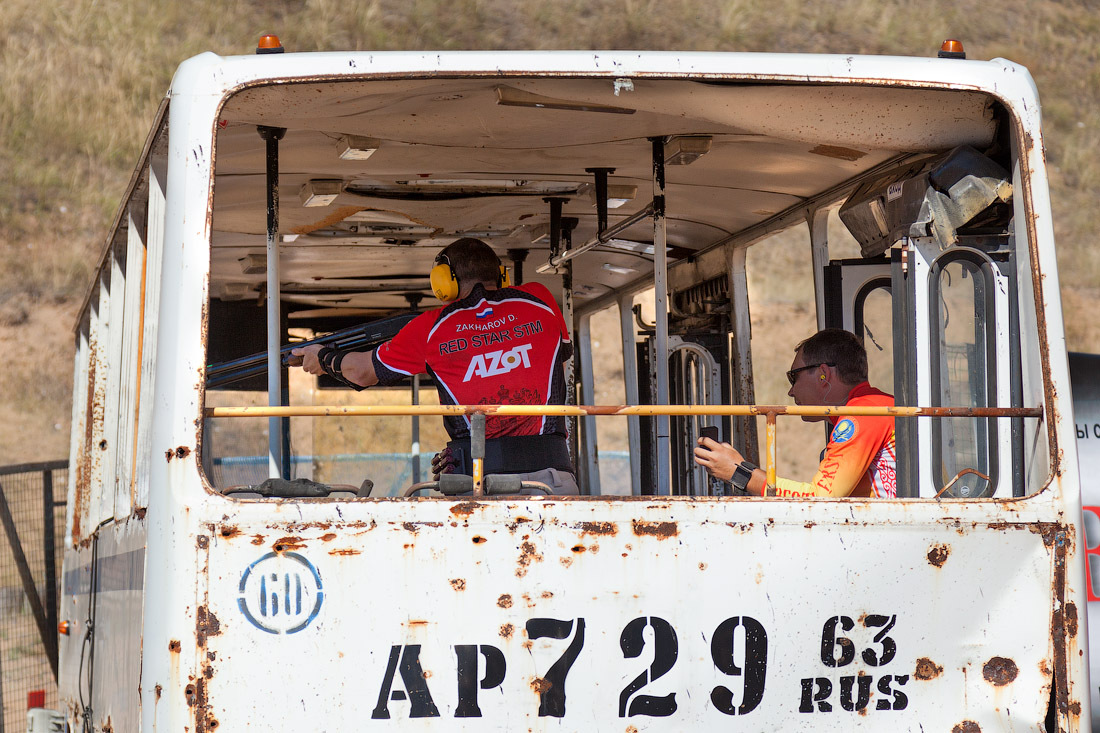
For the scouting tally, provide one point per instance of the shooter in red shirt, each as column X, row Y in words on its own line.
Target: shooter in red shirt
column 490, row 343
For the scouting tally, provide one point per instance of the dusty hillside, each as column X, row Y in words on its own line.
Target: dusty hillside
column 81, row 79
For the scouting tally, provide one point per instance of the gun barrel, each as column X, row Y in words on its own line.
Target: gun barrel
column 356, row 338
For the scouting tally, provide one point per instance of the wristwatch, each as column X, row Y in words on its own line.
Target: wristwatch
column 742, row 475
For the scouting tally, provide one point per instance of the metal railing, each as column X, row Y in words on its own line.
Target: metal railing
column 769, row 412
column 30, row 515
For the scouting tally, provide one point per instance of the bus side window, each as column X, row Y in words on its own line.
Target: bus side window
column 963, row 373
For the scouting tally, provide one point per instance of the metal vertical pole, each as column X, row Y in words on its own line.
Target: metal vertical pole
column 49, row 545
column 818, row 221
column 416, row 431
column 271, row 136
column 660, row 299
column 630, row 382
column 570, row 366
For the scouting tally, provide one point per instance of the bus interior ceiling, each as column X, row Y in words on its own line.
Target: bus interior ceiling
column 481, row 157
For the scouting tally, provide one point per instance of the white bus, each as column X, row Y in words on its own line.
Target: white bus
column 282, row 197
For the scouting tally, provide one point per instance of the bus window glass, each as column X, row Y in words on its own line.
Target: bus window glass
column 875, row 325
column 962, row 376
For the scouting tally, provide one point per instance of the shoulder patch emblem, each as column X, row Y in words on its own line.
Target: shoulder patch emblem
column 844, row 431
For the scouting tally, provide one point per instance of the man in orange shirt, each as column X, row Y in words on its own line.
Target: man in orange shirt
column 829, row 368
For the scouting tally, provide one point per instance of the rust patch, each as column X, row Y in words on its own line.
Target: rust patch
column 348, row 551
column 836, row 151
column 1044, row 668
column 702, row 565
column 169, row 455
column 183, row 451
column 540, row 685
column 230, row 530
column 158, row 690
column 329, row 537
column 257, row 539
column 505, row 601
column 1071, row 619
column 527, row 555
column 938, row 555
column 189, row 693
column 140, row 512
column 458, row 583
column 598, row 528
column 927, row 669
column 479, row 539
column 289, row 543
column 174, row 645
column 967, row 726
column 410, row 527
column 417, row 622
column 202, row 541
column 465, row 509
column 206, row 625
column 578, row 548
column 660, row 530
column 506, row 631
column 567, row 561
column 547, row 595
column 1046, row 530
column 999, row 671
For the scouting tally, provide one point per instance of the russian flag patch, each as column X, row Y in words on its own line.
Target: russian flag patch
column 485, row 313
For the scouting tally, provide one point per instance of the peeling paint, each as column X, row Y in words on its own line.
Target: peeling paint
column 1000, row 671
column 660, row 530
column 938, row 555
column 598, row 528
column 206, row 625
column 289, row 543
column 465, row 509
column 927, row 669
column 528, row 554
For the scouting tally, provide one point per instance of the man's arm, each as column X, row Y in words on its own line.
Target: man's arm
column 839, row 473
column 357, row 366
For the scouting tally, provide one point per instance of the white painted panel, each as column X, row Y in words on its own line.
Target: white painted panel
column 150, row 310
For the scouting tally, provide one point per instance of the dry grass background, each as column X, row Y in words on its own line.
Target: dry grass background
column 80, row 79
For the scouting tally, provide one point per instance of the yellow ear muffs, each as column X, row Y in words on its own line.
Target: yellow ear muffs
column 504, row 281
column 443, row 280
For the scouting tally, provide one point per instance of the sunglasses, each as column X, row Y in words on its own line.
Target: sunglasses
column 792, row 375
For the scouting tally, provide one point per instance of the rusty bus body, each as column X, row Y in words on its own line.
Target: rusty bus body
column 663, row 602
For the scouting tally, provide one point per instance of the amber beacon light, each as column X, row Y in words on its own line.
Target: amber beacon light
column 269, row 43
column 952, row 49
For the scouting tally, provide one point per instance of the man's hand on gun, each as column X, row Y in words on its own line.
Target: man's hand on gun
column 306, row 357
column 443, row 462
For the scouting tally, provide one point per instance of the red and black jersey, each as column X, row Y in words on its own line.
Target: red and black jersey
column 495, row 347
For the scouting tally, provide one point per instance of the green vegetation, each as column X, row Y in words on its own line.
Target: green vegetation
column 80, row 81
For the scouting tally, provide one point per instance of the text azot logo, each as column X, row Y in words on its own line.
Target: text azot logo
column 280, row 593
column 493, row 363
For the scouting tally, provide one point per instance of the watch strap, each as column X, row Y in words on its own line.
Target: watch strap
column 742, row 475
